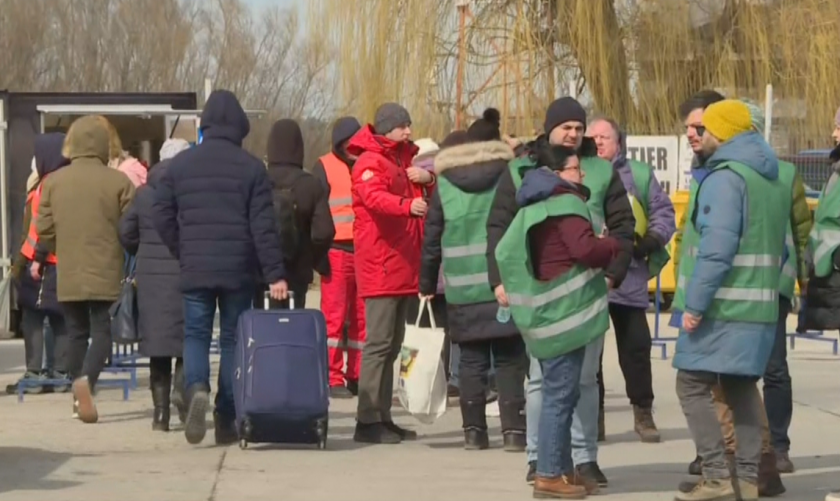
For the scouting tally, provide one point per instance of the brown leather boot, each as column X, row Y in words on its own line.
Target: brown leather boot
column 560, row 487
column 645, row 426
column 769, row 482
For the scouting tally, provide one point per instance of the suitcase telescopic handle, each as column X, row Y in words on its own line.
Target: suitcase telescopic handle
column 267, row 297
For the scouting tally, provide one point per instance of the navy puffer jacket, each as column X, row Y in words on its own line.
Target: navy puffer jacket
column 213, row 207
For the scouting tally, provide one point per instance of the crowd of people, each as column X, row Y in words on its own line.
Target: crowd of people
column 527, row 251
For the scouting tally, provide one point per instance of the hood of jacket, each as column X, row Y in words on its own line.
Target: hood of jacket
column 224, row 118
column 88, row 137
column 136, row 171
column 749, row 149
column 542, row 183
column 157, row 172
column 367, row 140
column 474, row 167
column 285, row 144
column 172, row 147
column 48, row 157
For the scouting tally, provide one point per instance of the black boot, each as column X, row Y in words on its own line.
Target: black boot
column 476, row 439
column 160, row 398
column 179, row 399
column 514, row 441
column 512, row 416
column 226, row 433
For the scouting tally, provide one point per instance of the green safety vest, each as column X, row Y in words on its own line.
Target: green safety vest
column 787, row 282
column 750, row 291
column 598, row 175
column 464, row 243
column 825, row 235
column 641, row 178
column 560, row 315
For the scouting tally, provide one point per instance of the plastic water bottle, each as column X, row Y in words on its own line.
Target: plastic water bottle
column 503, row 315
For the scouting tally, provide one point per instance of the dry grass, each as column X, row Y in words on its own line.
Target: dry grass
column 635, row 61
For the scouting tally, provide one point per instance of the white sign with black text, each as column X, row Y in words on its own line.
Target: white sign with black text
column 661, row 153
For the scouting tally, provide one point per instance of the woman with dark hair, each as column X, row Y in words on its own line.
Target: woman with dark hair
column 159, row 301
column 455, row 238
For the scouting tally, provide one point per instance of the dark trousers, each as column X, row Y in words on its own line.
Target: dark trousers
column 778, row 393
column 632, row 335
column 32, row 325
column 298, row 291
column 88, row 321
column 511, row 366
column 385, row 321
column 160, row 369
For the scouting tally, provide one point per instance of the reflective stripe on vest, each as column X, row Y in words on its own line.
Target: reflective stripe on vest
column 464, row 243
column 560, row 315
column 341, row 197
column 750, row 290
column 787, row 282
column 825, row 234
column 31, row 242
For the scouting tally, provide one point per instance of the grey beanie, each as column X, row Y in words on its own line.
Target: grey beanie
column 389, row 116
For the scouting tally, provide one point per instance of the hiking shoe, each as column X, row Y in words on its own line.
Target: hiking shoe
column 84, row 396
column 514, row 441
column 709, row 490
column 592, row 472
column 375, row 433
column 408, row 435
column 747, row 491
column 696, row 467
column 532, row 472
column 195, row 427
column 644, row 425
column 783, row 463
column 340, row 392
column 561, row 487
column 476, row 439
column 225, row 429
column 590, row 485
column 63, row 381
column 32, row 383
column 769, row 482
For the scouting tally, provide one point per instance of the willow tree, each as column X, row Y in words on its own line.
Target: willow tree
column 634, row 60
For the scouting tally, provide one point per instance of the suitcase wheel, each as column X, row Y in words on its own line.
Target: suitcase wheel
column 243, row 444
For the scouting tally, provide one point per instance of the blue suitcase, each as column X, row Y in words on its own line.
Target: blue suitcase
column 281, row 386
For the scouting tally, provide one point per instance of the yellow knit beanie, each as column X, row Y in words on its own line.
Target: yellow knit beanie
column 726, row 119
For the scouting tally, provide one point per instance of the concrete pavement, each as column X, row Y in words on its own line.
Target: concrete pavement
column 44, row 454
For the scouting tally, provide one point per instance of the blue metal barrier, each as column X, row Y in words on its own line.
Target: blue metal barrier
column 657, row 340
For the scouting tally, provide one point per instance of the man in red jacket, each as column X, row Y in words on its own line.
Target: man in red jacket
column 388, row 206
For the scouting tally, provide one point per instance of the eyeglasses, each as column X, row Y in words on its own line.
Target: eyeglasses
column 699, row 129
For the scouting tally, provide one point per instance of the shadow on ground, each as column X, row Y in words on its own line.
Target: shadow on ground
column 27, row 469
column 815, row 477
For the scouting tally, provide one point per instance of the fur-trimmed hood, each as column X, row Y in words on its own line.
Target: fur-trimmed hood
column 474, row 167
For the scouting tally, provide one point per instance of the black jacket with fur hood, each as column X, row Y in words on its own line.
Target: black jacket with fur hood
column 473, row 168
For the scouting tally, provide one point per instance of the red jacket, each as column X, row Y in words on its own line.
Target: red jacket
column 559, row 243
column 387, row 238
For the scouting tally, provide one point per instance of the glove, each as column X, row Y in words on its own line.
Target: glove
column 645, row 246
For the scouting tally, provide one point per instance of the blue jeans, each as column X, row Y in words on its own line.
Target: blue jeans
column 585, row 423
column 199, row 311
column 560, row 392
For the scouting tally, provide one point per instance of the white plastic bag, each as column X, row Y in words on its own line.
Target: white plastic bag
column 420, row 380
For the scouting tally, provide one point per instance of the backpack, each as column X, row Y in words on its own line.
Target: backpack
column 285, row 207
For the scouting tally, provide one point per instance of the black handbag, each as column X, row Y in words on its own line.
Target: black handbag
column 124, row 311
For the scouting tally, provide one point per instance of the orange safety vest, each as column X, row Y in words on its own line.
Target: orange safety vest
column 341, row 198
column 28, row 249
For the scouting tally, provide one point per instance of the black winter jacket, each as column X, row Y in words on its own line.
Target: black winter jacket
column 822, row 301
column 473, row 168
column 314, row 221
column 213, row 207
column 159, row 299
column 618, row 216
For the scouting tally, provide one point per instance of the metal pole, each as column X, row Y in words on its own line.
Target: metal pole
column 4, row 192
column 463, row 5
column 768, row 112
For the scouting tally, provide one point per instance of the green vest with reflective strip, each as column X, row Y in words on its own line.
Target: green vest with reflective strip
column 825, row 235
column 464, row 243
column 598, row 174
column 560, row 315
column 787, row 282
column 750, row 291
column 641, row 178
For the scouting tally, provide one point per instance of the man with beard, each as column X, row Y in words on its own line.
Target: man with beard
column 565, row 124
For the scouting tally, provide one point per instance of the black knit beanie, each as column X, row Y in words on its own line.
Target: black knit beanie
column 455, row 138
column 486, row 128
column 565, row 109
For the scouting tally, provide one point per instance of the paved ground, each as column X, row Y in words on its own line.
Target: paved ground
column 46, row 455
